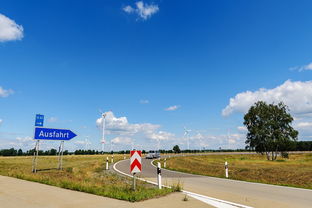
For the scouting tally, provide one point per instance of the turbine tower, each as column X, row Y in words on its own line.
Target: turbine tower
column 200, row 137
column 103, row 132
column 186, row 134
column 111, row 146
column 87, row 143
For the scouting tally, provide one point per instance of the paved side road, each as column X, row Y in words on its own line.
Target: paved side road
column 16, row 193
column 250, row 194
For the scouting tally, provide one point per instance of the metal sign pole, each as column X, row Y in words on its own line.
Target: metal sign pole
column 60, row 154
column 59, row 157
column 62, row 144
column 36, row 158
column 134, row 182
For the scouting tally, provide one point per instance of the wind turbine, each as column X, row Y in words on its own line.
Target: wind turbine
column 103, row 131
column 186, row 134
column 87, row 142
column 200, row 137
column 132, row 145
column 158, row 144
column 111, row 146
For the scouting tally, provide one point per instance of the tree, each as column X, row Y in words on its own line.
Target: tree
column 20, row 152
column 269, row 129
column 176, row 149
column 53, row 152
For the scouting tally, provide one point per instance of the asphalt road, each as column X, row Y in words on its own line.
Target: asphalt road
column 245, row 193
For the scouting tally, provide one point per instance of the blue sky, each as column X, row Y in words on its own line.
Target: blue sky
column 68, row 59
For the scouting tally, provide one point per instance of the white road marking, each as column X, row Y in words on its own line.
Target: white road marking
column 208, row 200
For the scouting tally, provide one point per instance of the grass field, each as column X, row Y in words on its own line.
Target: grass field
column 80, row 173
column 295, row 171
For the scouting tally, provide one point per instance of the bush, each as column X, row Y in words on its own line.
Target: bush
column 285, row 155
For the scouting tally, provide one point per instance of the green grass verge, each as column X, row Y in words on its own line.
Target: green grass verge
column 81, row 173
column 295, row 171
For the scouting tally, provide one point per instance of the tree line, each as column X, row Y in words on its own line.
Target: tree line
column 293, row 146
column 20, row 152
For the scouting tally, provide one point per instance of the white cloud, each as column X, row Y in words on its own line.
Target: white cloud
column 225, row 141
column 122, row 140
column 145, row 133
column 128, row 9
column 172, row 108
column 303, row 125
column 25, row 143
column 24, row 139
column 80, row 142
column 150, row 136
column 121, row 126
column 144, row 101
column 52, row 119
column 5, row 93
column 85, row 144
column 296, row 95
column 143, row 10
column 302, row 68
column 9, row 30
column 161, row 135
column 242, row 128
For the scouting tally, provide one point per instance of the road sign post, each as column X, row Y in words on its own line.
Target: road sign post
column 42, row 133
column 135, row 165
column 134, row 182
column 60, row 158
column 35, row 157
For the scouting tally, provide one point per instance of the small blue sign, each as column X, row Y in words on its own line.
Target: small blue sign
column 53, row 134
column 39, row 120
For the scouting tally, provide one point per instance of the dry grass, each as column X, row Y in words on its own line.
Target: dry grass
column 81, row 173
column 295, row 171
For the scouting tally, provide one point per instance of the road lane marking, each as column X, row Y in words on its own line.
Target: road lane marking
column 208, row 200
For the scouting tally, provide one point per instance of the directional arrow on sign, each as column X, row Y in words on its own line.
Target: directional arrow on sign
column 136, row 166
column 135, row 162
column 53, row 134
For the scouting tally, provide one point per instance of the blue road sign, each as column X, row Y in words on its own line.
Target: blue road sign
column 39, row 120
column 53, row 134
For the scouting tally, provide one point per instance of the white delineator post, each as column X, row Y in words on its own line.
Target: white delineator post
column 124, row 156
column 165, row 163
column 112, row 159
column 226, row 169
column 159, row 175
column 106, row 163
